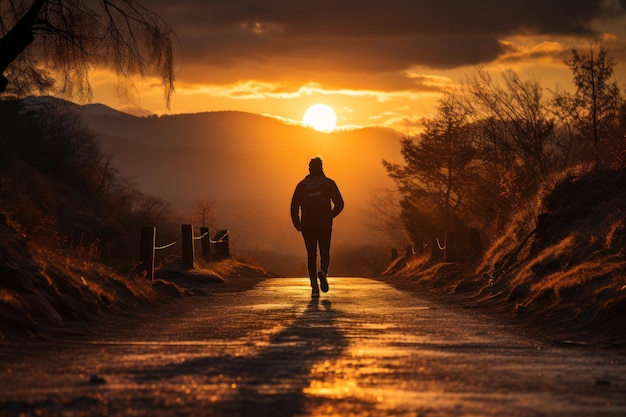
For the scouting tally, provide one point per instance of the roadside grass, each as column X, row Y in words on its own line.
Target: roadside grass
column 560, row 265
column 43, row 288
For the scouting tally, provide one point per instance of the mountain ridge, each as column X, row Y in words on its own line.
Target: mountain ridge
column 248, row 164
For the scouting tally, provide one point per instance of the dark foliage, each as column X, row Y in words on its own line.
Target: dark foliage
column 490, row 147
column 63, row 191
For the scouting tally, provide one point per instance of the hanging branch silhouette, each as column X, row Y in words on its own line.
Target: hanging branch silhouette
column 51, row 45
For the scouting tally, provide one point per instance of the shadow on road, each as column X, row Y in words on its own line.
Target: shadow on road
column 272, row 382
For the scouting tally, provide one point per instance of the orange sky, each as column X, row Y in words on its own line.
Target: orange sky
column 375, row 63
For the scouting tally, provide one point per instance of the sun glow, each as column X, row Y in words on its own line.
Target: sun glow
column 320, row 117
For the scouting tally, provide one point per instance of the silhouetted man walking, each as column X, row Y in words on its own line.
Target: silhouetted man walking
column 315, row 203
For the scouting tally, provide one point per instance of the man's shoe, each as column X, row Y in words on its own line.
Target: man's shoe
column 323, row 281
column 315, row 292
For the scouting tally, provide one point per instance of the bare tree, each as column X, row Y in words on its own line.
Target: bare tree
column 204, row 213
column 593, row 111
column 50, row 45
column 518, row 129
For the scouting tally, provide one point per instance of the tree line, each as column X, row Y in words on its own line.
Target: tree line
column 55, row 182
column 492, row 144
column 63, row 191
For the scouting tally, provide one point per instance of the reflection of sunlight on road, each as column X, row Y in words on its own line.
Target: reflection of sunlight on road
column 383, row 356
column 366, row 372
column 338, row 380
column 363, row 349
column 380, row 390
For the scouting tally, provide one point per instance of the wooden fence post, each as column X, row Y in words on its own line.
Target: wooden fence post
column 475, row 244
column 226, row 244
column 222, row 251
column 454, row 248
column 146, row 251
column 187, row 237
column 206, row 243
column 437, row 249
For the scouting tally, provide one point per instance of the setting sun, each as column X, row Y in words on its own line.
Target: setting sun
column 320, row 117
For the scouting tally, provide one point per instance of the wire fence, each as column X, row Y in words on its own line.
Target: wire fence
column 165, row 246
column 460, row 246
column 213, row 249
column 169, row 245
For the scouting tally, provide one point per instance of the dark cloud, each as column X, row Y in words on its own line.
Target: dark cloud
column 344, row 54
column 367, row 35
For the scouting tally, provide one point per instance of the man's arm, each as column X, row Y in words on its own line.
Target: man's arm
column 295, row 210
column 337, row 201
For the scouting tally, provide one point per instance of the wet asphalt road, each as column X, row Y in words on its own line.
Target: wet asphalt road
column 363, row 349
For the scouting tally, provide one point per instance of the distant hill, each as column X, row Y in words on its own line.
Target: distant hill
column 249, row 166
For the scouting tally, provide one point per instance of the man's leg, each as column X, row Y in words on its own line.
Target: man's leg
column 324, row 242
column 310, row 241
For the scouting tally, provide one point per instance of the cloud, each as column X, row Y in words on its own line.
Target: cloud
column 273, row 84
column 367, row 35
column 387, row 61
column 259, row 90
column 526, row 50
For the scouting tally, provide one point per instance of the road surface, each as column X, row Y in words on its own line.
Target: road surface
column 363, row 349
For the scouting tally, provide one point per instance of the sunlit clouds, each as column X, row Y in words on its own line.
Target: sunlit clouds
column 287, row 102
column 376, row 65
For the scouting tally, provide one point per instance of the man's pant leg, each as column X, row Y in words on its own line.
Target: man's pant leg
column 324, row 245
column 311, row 241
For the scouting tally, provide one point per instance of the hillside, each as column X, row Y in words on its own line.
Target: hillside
column 248, row 165
column 46, row 291
column 69, row 231
column 560, row 268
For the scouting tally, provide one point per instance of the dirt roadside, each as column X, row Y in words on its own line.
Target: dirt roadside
column 557, row 329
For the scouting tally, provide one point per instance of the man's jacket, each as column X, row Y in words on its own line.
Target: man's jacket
column 315, row 202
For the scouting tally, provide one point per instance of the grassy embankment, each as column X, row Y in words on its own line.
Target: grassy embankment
column 41, row 289
column 560, row 268
column 69, row 229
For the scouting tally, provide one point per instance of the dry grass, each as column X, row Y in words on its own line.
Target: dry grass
column 561, row 263
column 207, row 277
column 42, row 288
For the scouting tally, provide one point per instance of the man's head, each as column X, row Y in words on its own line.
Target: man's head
column 315, row 165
